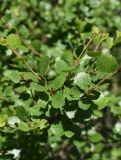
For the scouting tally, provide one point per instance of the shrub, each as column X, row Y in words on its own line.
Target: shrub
column 56, row 94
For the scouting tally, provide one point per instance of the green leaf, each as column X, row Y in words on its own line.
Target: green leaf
column 24, row 49
column 83, row 80
column 34, row 111
column 98, row 113
column 58, row 81
column 118, row 34
column 78, row 49
column 106, row 63
column 13, row 41
column 29, row 76
column 43, row 64
column 58, row 100
column 109, row 42
column 37, row 123
column 94, row 53
column 97, row 39
column 99, row 147
column 19, row 59
column 40, row 104
column 37, row 87
column 68, row 58
column 102, row 101
column 95, row 30
column 73, row 93
column 21, row 113
column 62, row 66
column 94, row 3
column 69, row 134
column 96, row 137
column 13, row 75
column 23, row 127
column 86, row 35
column 42, row 123
column 57, row 129
column 2, row 122
column 83, row 106
column 36, row 44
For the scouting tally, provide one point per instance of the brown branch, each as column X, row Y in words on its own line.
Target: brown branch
column 101, row 81
column 106, row 78
column 86, row 46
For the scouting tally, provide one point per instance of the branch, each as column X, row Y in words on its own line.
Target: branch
column 31, row 48
column 27, row 65
column 86, row 46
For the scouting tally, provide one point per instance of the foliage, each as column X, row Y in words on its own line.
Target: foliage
column 57, row 95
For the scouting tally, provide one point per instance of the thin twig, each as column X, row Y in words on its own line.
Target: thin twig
column 97, row 46
column 86, row 46
column 28, row 45
column 84, row 49
column 101, row 81
column 27, row 65
column 31, row 48
column 106, row 78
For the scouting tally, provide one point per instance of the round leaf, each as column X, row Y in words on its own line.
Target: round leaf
column 13, row 41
